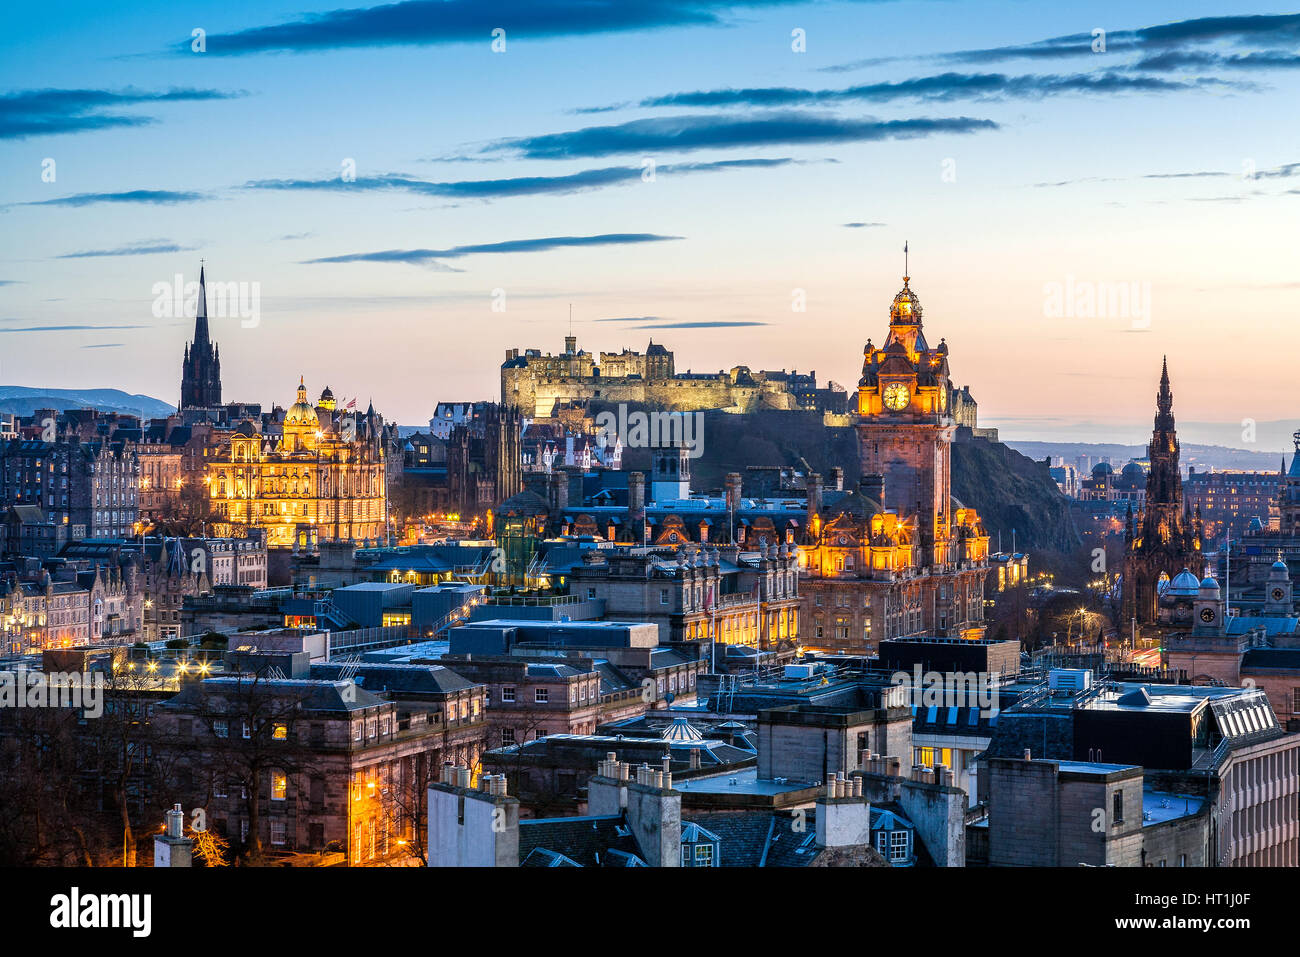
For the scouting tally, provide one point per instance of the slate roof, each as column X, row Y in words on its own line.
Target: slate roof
column 399, row 679
column 762, row 838
column 585, row 841
column 315, row 695
column 1282, row 658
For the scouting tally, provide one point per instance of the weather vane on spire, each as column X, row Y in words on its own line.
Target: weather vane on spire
column 906, row 275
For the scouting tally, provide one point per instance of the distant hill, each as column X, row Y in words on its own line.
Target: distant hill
column 1012, row 491
column 24, row 400
column 1203, row 457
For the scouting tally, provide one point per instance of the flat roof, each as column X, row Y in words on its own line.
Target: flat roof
column 1093, row 767
column 745, row 781
column 1161, row 806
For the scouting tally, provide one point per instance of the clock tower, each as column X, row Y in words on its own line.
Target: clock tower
column 905, row 427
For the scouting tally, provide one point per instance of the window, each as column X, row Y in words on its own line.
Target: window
column 278, row 832
column 507, row 737
column 221, row 728
column 279, row 786
column 280, row 732
column 1117, row 813
column 246, row 731
column 703, row 855
column 663, row 596
column 898, row 843
column 542, row 695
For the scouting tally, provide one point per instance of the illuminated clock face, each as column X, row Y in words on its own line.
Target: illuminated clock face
column 1277, row 594
column 896, row 396
column 1207, row 615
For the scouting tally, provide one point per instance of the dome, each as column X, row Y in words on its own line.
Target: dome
column 681, row 730
column 301, row 413
column 1279, row 565
column 327, row 394
column 1209, row 582
column 1184, row 585
column 1102, row 468
column 905, row 308
column 1132, row 470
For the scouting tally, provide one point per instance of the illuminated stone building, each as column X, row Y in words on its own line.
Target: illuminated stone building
column 1167, row 538
column 899, row 556
column 322, row 478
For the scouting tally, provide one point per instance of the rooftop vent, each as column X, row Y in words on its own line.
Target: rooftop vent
column 1136, row 699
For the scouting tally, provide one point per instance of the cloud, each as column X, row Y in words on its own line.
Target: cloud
column 143, row 248
column 153, row 197
column 630, row 319
column 71, row 328
column 48, row 112
column 721, row 131
column 10, row 282
column 861, row 225
column 941, row 87
column 292, row 236
column 709, row 324
column 543, row 244
column 439, row 22
column 513, row 186
column 1281, row 31
column 1284, row 171
column 105, row 345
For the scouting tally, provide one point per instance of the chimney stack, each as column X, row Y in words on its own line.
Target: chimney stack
column 813, row 485
column 636, row 507
column 873, row 487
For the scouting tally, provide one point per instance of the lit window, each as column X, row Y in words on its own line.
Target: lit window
column 281, row 732
column 279, row 786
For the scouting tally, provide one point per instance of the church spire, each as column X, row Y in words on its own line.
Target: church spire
column 201, row 318
column 201, row 367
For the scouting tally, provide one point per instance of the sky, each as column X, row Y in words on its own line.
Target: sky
column 403, row 192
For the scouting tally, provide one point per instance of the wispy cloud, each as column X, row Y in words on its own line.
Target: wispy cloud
column 942, row 87
column 438, row 22
column 861, row 225
column 47, row 112
column 149, row 197
column 1285, row 171
column 513, row 186
column 419, row 257
column 704, row 324
column 70, row 328
column 1271, row 36
column 144, row 248
column 630, row 319
column 723, row 131
column 105, row 345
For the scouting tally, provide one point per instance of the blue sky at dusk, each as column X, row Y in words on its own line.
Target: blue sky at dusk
column 990, row 136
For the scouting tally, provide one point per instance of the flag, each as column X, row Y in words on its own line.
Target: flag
column 351, row 405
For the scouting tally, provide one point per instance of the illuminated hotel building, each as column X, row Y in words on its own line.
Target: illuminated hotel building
column 899, row 556
column 321, row 479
